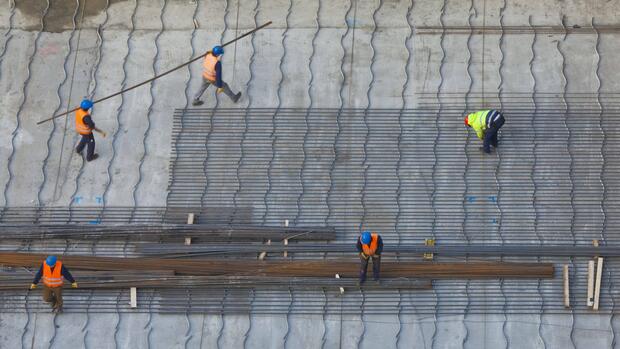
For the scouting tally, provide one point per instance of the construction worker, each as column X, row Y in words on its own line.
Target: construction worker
column 52, row 271
column 486, row 123
column 85, row 126
column 369, row 246
column 212, row 74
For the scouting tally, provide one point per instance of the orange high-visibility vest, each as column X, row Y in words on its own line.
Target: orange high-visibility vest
column 80, row 126
column 52, row 278
column 371, row 248
column 209, row 67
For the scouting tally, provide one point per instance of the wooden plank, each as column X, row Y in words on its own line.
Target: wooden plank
column 340, row 287
column 428, row 255
column 566, row 287
column 285, row 254
column 590, row 295
column 597, row 285
column 190, row 220
column 263, row 254
column 133, row 297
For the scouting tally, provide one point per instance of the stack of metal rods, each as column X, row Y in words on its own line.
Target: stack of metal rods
column 142, row 232
column 302, row 250
column 458, row 250
column 120, row 280
column 315, row 268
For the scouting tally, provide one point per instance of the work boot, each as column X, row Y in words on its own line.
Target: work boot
column 482, row 150
column 361, row 281
column 197, row 102
column 237, row 96
column 95, row 156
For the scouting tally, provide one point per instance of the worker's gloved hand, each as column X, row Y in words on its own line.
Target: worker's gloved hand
column 363, row 255
column 220, row 89
column 33, row 286
column 74, row 285
column 103, row 134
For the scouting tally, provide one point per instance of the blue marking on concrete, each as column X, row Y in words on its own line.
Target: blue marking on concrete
column 493, row 198
column 471, row 198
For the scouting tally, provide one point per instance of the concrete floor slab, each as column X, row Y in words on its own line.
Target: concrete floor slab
column 318, row 54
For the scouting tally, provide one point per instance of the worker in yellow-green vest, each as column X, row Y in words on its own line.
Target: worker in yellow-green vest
column 486, row 123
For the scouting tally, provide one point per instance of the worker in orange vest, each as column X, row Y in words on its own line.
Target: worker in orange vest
column 212, row 74
column 52, row 271
column 370, row 246
column 85, row 126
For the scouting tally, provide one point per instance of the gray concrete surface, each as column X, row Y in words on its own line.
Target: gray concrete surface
column 316, row 54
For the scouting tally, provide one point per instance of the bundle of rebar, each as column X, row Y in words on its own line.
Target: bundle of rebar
column 315, row 268
column 143, row 232
column 450, row 250
column 118, row 280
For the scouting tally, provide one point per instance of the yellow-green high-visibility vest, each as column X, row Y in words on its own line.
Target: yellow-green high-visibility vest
column 478, row 121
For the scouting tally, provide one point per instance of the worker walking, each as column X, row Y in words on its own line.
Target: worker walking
column 369, row 246
column 85, row 126
column 212, row 75
column 486, row 123
column 52, row 271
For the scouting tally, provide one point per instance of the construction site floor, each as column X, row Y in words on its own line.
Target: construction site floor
column 551, row 65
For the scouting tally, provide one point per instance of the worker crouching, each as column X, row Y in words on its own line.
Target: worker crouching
column 369, row 246
column 486, row 123
column 52, row 273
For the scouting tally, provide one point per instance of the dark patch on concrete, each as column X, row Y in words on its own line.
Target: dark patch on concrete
column 60, row 14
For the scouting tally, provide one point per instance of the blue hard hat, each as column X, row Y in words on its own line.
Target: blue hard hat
column 218, row 50
column 50, row 260
column 86, row 104
column 366, row 238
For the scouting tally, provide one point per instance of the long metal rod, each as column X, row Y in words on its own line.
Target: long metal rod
column 461, row 250
column 159, row 231
column 16, row 281
column 157, row 76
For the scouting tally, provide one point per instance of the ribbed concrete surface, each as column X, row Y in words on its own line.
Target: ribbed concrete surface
column 317, row 54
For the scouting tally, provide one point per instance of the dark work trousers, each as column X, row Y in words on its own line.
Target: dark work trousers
column 90, row 140
column 490, row 136
column 53, row 295
column 206, row 83
column 376, row 267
